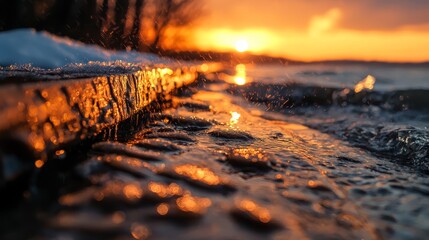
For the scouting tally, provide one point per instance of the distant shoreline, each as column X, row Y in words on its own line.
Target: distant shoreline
column 263, row 59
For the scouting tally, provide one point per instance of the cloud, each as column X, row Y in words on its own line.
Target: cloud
column 365, row 15
column 385, row 15
column 324, row 23
column 385, row 30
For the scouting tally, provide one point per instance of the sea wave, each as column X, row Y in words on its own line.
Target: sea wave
column 390, row 124
column 299, row 95
column 407, row 145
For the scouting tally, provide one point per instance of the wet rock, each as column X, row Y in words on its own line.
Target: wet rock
column 193, row 205
column 90, row 167
column 297, row 197
column 249, row 157
column 358, row 191
column 195, row 106
column 187, row 123
column 157, row 145
column 160, row 192
column 130, row 165
column 349, row 160
column 318, row 186
column 423, row 190
column 185, row 207
column 322, row 190
column 131, row 151
column 164, row 129
column 231, row 134
column 199, row 176
column 349, row 221
column 79, row 198
column 389, row 218
column 139, row 231
column 51, row 114
column 89, row 221
column 254, row 214
column 114, row 193
column 118, row 192
column 174, row 136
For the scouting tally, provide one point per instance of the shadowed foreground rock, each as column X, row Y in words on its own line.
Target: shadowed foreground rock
column 37, row 118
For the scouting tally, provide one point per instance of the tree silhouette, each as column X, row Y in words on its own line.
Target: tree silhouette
column 167, row 15
column 115, row 24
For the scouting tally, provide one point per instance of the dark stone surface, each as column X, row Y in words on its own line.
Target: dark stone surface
column 300, row 184
column 37, row 118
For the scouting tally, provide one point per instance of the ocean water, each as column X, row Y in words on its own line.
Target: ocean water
column 383, row 109
column 388, row 77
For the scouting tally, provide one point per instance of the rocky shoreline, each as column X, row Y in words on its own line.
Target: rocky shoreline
column 208, row 165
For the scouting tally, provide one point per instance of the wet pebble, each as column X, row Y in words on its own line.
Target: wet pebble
column 348, row 159
column 195, row 106
column 199, row 176
column 184, row 207
column 78, row 198
column 357, row 192
column 159, row 192
column 423, row 190
column 164, row 129
column 90, row 167
column 188, row 123
column 117, row 192
column 131, row 151
column 388, row 217
column 89, row 221
column 254, row 214
column 130, row 165
column 322, row 190
column 157, row 145
column 232, row 134
column 114, row 191
column 173, row 136
column 249, row 157
column 318, row 186
column 297, row 197
column 139, row 231
column 349, row 221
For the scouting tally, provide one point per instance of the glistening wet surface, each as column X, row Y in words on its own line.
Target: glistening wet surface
column 211, row 169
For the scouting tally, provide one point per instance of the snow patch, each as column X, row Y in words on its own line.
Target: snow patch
column 24, row 49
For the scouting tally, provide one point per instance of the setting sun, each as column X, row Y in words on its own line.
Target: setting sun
column 329, row 30
column 241, row 45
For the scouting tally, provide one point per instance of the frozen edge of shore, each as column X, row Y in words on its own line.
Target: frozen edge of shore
column 41, row 117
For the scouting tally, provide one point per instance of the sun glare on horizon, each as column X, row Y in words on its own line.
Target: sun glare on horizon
column 241, row 45
column 325, row 31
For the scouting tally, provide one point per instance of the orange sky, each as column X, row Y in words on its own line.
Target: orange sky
column 386, row 30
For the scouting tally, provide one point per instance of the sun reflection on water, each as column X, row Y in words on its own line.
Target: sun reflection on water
column 367, row 83
column 132, row 191
column 240, row 74
column 165, row 191
column 234, row 118
column 39, row 163
column 258, row 212
column 189, row 203
column 162, row 209
column 199, row 174
column 204, row 67
column 139, row 231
